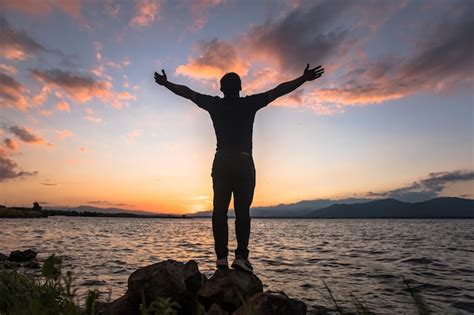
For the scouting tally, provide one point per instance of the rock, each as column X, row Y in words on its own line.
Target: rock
column 20, row 256
column 215, row 309
column 33, row 264
column 228, row 288
column 121, row 306
column 269, row 303
column 167, row 279
column 3, row 257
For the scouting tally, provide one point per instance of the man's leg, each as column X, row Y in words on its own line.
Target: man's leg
column 222, row 194
column 244, row 186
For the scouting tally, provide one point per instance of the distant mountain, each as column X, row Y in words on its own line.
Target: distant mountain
column 291, row 210
column 444, row 207
column 83, row 208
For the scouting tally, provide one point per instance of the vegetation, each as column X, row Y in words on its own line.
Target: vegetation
column 53, row 293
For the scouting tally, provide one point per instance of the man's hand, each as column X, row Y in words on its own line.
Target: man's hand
column 161, row 79
column 312, row 74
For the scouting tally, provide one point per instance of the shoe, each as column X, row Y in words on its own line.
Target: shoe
column 242, row 264
column 222, row 263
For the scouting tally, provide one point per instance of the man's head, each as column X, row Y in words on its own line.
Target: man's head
column 231, row 84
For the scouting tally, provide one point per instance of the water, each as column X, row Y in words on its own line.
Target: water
column 365, row 258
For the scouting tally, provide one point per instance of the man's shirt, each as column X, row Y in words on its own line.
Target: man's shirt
column 233, row 119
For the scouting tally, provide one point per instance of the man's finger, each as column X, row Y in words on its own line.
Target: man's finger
column 316, row 68
column 164, row 73
column 307, row 67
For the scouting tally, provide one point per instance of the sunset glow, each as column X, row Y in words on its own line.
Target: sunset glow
column 84, row 123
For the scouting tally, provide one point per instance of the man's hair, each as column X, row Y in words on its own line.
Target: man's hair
column 230, row 82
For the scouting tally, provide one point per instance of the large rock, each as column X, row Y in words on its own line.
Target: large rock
column 229, row 288
column 3, row 257
column 270, row 303
column 20, row 256
column 167, row 279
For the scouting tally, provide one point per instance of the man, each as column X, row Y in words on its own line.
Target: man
column 233, row 170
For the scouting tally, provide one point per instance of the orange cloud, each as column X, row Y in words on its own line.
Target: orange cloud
column 63, row 134
column 12, row 92
column 7, row 69
column 147, row 11
column 63, row 106
column 15, row 44
column 81, row 88
column 9, row 168
column 216, row 58
column 43, row 7
column 26, row 135
column 199, row 11
column 10, row 144
column 133, row 135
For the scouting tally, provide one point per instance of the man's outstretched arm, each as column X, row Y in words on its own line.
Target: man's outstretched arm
column 180, row 90
column 290, row 86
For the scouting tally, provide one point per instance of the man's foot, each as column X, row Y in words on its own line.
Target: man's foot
column 222, row 263
column 242, row 264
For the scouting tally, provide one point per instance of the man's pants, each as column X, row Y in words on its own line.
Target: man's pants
column 232, row 173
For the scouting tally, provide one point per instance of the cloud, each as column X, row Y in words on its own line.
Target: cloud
column 146, row 13
column 92, row 116
column 216, row 57
column 43, row 7
column 367, row 59
column 8, row 69
column 47, row 183
column 9, row 168
column 112, row 8
column 442, row 62
column 426, row 188
column 82, row 87
column 133, row 135
column 200, row 11
column 63, row 134
column 25, row 135
column 108, row 203
column 10, row 144
column 63, row 106
column 79, row 87
column 15, row 44
column 12, row 92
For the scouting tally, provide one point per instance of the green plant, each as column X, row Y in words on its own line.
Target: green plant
column 50, row 294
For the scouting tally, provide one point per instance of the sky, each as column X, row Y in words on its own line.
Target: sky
column 83, row 122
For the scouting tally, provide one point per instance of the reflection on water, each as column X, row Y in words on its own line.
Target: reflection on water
column 367, row 258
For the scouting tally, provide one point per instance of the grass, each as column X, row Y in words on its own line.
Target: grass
column 54, row 293
column 360, row 308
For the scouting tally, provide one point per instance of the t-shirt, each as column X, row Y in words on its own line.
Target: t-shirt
column 233, row 119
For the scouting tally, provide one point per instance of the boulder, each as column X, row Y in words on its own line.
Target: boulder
column 3, row 257
column 20, row 256
column 167, row 279
column 215, row 309
column 229, row 288
column 269, row 303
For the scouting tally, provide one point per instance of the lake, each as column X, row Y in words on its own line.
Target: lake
column 366, row 258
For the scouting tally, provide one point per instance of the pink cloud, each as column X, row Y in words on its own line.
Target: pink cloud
column 63, row 106
column 91, row 116
column 146, row 13
column 216, row 58
column 43, row 7
column 63, row 134
column 12, row 92
column 10, row 144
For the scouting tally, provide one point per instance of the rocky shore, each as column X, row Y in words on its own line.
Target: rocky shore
column 227, row 291
column 172, row 287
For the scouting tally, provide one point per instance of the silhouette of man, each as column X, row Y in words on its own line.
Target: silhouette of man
column 233, row 170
